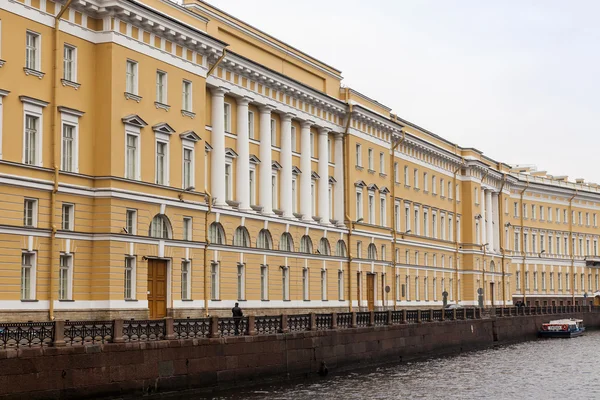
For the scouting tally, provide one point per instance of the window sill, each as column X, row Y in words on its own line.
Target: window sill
column 215, row 299
column 29, row 301
column 407, row 186
column 133, row 300
column 417, row 189
column 359, row 167
column 33, row 72
column 188, row 114
column 72, row 84
column 264, row 299
column 2, row 62
column 383, row 174
column 67, row 301
column 131, row 96
column 163, row 106
column 371, row 171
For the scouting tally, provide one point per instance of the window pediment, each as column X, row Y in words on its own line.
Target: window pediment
column 70, row 111
column 372, row 186
column 384, row 190
column 134, row 120
column 207, row 146
column 276, row 166
column 191, row 136
column 229, row 152
column 254, row 159
column 296, row 170
column 360, row 184
column 332, row 180
column 314, row 175
column 35, row 102
column 163, row 127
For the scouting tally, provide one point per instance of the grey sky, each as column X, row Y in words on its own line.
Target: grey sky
column 515, row 79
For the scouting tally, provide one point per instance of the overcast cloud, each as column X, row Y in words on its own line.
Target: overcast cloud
column 517, row 80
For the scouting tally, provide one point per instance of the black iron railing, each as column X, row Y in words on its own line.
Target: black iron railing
column 300, row 322
column 192, row 328
column 26, row 334
column 344, row 320
column 79, row 333
column 144, row 330
column 233, row 326
column 324, row 321
column 268, row 325
column 363, row 319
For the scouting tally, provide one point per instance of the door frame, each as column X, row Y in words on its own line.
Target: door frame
column 169, row 272
column 371, row 307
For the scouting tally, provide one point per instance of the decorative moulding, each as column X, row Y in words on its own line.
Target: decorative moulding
column 74, row 85
column 165, row 107
column 131, row 96
column 33, row 72
column 2, row 62
column 188, row 114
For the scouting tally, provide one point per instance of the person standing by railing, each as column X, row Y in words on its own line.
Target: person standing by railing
column 237, row 317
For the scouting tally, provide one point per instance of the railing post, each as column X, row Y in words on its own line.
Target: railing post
column 169, row 330
column 430, row 315
column 59, row 334
column 418, row 316
column 353, row 325
column 214, row 326
column 313, row 322
column 334, row 320
column 389, row 318
column 404, row 321
column 443, row 314
column 251, row 325
column 371, row 318
column 478, row 313
column 502, row 311
column 454, row 314
column 464, row 310
column 284, row 323
column 118, row 331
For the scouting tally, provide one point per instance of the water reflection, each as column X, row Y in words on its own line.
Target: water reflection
column 545, row 369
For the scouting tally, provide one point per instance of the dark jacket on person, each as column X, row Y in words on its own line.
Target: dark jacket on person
column 237, row 312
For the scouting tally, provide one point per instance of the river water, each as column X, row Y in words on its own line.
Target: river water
column 542, row 369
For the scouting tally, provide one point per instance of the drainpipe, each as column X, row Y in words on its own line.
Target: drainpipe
column 501, row 223
column 570, row 216
column 347, row 201
column 216, row 64
column 456, row 244
column 55, row 129
column 523, row 250
column 394, row 146
column 209, row 200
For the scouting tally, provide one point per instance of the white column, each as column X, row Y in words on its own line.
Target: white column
column 265, row 170
column 496, row 220
column 482, row 219
column 338, row 194
column 488, row 216
column 243, row 150
column 323, row 171
column 305, row 167
column 286, row 165
column 217, row 141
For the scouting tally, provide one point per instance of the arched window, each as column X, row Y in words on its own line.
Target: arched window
column 492, row 266
column 287, row 242
column 306, row 244
column 160, row 227
column 372, row 252
column 241, row 237
column 264, row 240
column 340, row 249
column 324, row 247
column 216, row 233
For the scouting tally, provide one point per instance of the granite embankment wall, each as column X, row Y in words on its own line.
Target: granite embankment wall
column 137, row 368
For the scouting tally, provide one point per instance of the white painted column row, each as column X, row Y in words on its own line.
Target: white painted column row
column 217, row 138
column 266, row 167
column 488, row 217
column 338, row 174
column 305, row 167
column 483, row 217
column 323, row 171
column 286, row 166
column 243, row 151
column 496, row 221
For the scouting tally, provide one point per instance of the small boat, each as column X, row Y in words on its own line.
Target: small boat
column 562, row 328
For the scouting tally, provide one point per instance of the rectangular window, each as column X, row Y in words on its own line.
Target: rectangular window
column 406, row 176
column 359, row 205
column 214, row 281
column 251, row 125
column 359, row 249
column 274, row 134
column 241, row 281
column 32, row 55
column 549, row 214
column 323, row 284
column 358, row 155
column 188, row 168
column 186, row 96
column 161, row 87
column 285, row 283
column 129, row 278
column 328, row 150
column 31, row 155
column 397, row 217
column 30, row 212
column 305, row 293
column 68, row 213
column 227, row 117
column 426, row 222
column 295, row 195
column 264, row 282
column 229, row 182
column 370, row 159
column 434, row 184
column 132, row 77
column 425, row 182
column 396, row 173
column 27, row 276
column 274, row 191
column 552, row 281
column 70, row 63
column 371, row 209
column 341, row 285
column 187, row 228
column 416, row 178
column 131, row 221
column 65, row 277
column 68, row 148
column 161, row 162
column 382, row 163
column 186, row 281
column 293, row 138
column 382, row 212
column 132, row 156
column 442, row 188
column 252, row 183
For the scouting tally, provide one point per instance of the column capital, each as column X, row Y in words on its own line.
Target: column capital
column 324, row 130
column 338, row 136
column 266, row 108
column 307, row 123
column 287, row 116
column 244, row 100
column 219, row 91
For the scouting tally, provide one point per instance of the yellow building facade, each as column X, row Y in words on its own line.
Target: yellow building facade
column 160, row 159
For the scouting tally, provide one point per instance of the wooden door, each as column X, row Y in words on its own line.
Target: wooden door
column 157, row 288
column 492, row 294
column 371, row 291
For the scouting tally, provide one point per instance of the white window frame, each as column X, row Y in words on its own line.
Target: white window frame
column 305, row 284
column 358, row 150
column 164, row 179
column 70, row 117
column 285, row 282
column 340, row 285
column 132, row 270
column 273, row 132
column 68, row 291
column 241, row 281
column 162, row 87
column 252, row 183
column 251, row 125
column 192, row 162
column 215, row 272
column 227, row 116
column 275, row 189
column 313, row 197
column 188, row 228
column 371, row 208
column 69, row 223
column 383, row 210
column 186, row 280
column 131, row 221
column 187, row 96
column 37, row 50
column 371, row 162
column 228, row 175
column 134, row 131
column 324, row 284
column 264, row 282
column 381, row 162
column 293, row 138
column 295, row 193
column 34, row 210
column 32, row 268
column 73, row 61
column 133, row 77
column 34, row 109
